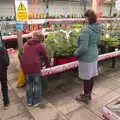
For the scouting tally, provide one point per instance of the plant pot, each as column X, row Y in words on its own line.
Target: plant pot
column 71, row 59
column 63, row 60
column 59, row 61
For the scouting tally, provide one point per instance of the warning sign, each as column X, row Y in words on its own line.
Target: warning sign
column 21, row 10
column 21, row 7
column 22, row 16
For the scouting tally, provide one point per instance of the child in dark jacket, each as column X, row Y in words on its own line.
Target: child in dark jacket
column 4, row 62
column 31, row 65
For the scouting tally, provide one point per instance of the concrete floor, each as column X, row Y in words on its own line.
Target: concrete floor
column 59, row 100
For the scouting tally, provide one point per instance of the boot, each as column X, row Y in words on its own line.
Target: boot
column 86, row 97
column 89, row 96
column 6, row 101
column 83, row 98
column 91, row 88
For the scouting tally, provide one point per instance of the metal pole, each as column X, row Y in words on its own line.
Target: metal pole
column 85, row 5
column 0, row 36
column 94, row 5
column 47, row 7
column 1, row 40
column 111, row 7
column 20, row 39
column 19, row 33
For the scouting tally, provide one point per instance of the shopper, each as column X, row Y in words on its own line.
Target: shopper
column 4, row 62
column 31, row 63
column 87, row 53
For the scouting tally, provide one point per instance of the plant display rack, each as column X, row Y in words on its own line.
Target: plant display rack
column 9, row 24
column 73, row 65
column 110, row 33
column 61, row 48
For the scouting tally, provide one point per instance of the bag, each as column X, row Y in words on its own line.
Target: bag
column 21, row 79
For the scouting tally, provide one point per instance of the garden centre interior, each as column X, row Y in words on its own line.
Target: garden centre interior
column 61, row 22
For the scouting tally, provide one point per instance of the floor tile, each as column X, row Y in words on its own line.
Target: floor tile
column 97, row 105
column 82, row 114
column 22, row 116
column 47, row 113
column 11, row 111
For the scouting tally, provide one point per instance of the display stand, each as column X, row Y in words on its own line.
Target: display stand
column 73, row 65
column 111, row 111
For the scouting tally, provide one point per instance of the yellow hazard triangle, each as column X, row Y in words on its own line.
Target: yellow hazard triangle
column 21, row 7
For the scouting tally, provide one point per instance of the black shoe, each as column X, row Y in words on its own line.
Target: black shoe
column 6, row 104
column 89, row 96
column 83, row 98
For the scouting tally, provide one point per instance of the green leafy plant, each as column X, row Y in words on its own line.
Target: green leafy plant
column 110, row 41
column 60, row 45
column 50, row 44
column 77, row 26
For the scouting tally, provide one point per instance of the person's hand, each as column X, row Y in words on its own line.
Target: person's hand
column 48, row 66
column 52, row 62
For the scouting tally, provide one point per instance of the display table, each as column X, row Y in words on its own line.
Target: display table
column 111, row 111
column 73, row 65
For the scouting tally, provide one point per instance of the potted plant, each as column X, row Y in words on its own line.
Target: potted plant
column 61, row 46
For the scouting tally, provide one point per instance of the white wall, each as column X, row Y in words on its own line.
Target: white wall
column 106, row 10
column 6, row 8
column 55, row 7
column 39, row 7
column 64, row 8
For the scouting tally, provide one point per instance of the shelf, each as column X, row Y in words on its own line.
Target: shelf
column 66, row 20
column 39, row 21
column 42, row 21
column 13, row 37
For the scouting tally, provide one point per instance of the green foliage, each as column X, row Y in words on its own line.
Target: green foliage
column 50, row 44
column 111, row 41
column 77, row 26
column 57, row 44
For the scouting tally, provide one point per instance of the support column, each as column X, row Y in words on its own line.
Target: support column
column 94, row 5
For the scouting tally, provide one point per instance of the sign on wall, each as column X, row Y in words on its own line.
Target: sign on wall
column 19, row 26
column 21, row 10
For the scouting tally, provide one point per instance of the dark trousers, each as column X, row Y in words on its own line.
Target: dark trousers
column 88, row 86
column 4, row 87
